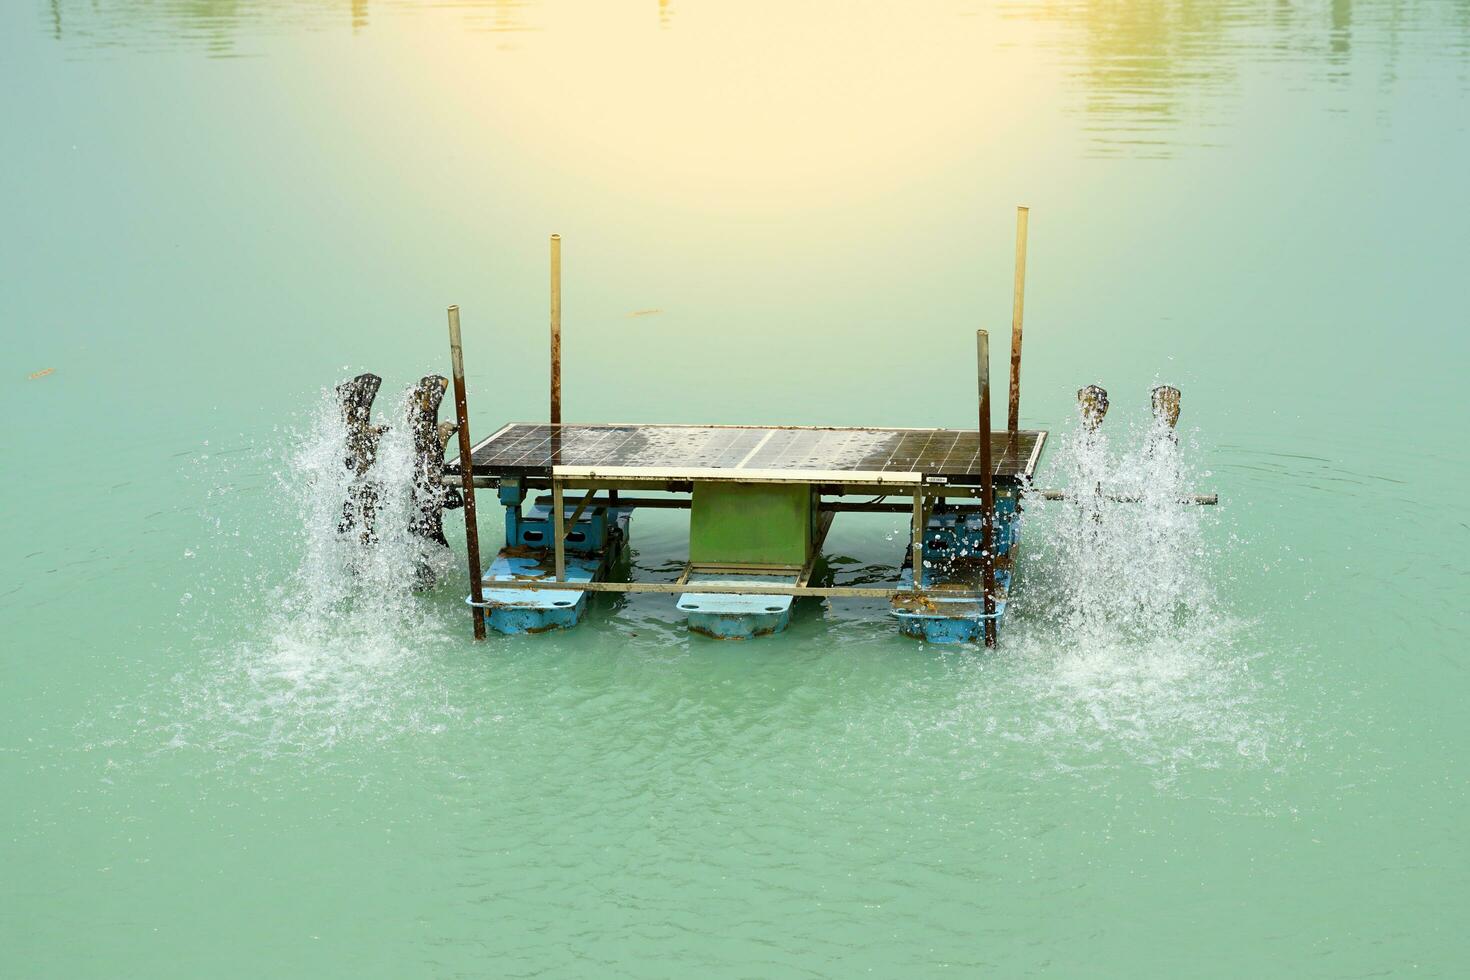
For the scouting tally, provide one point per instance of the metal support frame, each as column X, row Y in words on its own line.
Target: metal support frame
column 918, row 545
column 1018, row 307
column 467, row 483
column 555, row 329
column 987, row 488
column 824, row 524
column 829, row 507
column 572, row 521
column 558, row 531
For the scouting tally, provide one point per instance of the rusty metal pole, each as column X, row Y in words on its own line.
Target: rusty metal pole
column 558, row 531
column 556, row 330
column 1018, row 305
column 466, row 474
column 987, row 487
column 917, row 554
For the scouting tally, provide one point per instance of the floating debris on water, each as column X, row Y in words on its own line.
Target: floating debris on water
column 649, row 312
column 40, row 374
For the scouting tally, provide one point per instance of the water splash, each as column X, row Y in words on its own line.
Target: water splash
column 1127, row 558
column 1121, row 639
column 339, row 648
column 347, row 578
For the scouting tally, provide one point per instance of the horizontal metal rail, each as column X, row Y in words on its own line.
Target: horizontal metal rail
column 950, row 490
column 722, row 474
column 856, row 507
column 1204, row 499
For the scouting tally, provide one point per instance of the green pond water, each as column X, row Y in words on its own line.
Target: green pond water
column 1234, row 748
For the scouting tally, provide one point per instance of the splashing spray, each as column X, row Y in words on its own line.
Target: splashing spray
column 332, row 641
column 1123, row 640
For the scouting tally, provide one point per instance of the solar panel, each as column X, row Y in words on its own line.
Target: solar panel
column 697, row 452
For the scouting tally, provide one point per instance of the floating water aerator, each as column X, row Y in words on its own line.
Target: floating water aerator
column 760, row 500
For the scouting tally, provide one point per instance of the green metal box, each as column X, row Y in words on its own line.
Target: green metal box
column 751, row 523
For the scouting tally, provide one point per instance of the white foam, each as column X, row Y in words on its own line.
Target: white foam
column 1117, row 635
column 339, row 649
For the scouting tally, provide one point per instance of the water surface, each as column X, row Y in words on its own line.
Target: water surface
column 220, row 758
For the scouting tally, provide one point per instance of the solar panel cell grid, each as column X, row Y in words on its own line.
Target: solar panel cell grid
column 521, row 450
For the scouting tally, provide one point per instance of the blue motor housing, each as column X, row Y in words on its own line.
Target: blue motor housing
column 961, row 533
column 953, row 549
column 534, row 529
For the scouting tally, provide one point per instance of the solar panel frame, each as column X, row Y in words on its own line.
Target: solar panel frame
column 815, row 454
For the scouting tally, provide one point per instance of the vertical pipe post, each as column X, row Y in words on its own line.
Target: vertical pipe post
column 558, row 531
column 918, row 543
column 987, row 487
column 1018, row 306
column 556, row 330
column 466, row 474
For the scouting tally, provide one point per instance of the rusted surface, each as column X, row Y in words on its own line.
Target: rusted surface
column 987, row 491
column 771, row 631
column 919, row 521
column 555, row 331
column 572, row 521
column 558, row 532
column 467, row 485
column 951, row 610
column 541, row 556
column 1018, row 304
column 931, row 489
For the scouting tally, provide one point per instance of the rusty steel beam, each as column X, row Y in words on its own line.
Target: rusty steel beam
column 556, row 330
column 937, row 491
column 918, row 544
column 987, row 488
column 467, row 483
column 572, row 522
column 558, row 531
column 1018, row 305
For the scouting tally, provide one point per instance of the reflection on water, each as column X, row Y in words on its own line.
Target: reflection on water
column 1153, row 74
column 217, row 26
column 1144, row 65
column 1148, row 76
